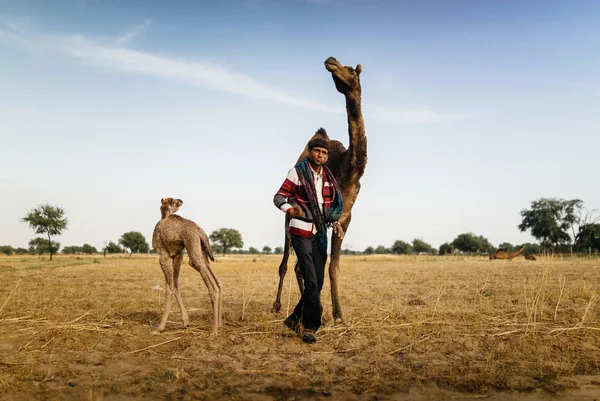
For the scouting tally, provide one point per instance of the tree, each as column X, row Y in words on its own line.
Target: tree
column 380, row 250
column 278, row 250
column 47, row 219
column 267, row 250
column 88, row 249
column 113, row 248
column 7, row 249
column 227, row 238
column 530, row 248
column 40, row 245
column 446, row 248
column 21, row 251
column 69, row 250
column 421, row 246
column 252, row 250
column 401, row 248
column 469, row 242
column 369, row 251
column 549, row 220
column 135, row 241
column 466, row 242
column 588, row 238
column 507, row 246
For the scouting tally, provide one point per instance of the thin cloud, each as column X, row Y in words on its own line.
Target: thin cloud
column 116, row 56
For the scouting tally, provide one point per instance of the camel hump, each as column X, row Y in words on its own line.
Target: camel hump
column 321, row 132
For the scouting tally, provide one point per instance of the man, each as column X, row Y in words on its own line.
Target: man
column 312, row 199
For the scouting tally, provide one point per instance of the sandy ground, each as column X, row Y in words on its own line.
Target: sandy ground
column 416, row 328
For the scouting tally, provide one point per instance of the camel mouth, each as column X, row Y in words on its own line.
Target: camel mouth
column 332, row 65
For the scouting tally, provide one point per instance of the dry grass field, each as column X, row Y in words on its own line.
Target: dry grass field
column 419, row 328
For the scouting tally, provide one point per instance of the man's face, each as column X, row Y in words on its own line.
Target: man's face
column 318, row 155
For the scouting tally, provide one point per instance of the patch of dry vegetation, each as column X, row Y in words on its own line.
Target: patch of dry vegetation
column 80, row 327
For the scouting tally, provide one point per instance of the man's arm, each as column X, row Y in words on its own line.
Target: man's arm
column 286, row 191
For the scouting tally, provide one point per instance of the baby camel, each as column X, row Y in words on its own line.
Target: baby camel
column 171, row 236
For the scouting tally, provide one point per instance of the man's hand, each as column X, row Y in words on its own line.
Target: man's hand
column 338, row 230
column 295, row 211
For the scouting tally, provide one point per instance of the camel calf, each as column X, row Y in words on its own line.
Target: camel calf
column 171, row 236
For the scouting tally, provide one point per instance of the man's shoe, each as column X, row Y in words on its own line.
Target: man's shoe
column 292, row 323
column 309, row 336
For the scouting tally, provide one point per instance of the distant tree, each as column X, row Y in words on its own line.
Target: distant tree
column 21, row 251
column 135, row 241
column 588, row 238
column 253, row 251
column 421, row 246
column 381, row 250
column 267, row 249
column 227, row 238
column 469, row 242
column 401, row 248
column 47, row 219
column 39, row 246
column 113, row 248
column 369, row 251
column 530, row 248
column 7, row 249
column 550, row 219
column 70, row 250
column 507, row 246
column 278, row 250
column 485, row 245
column 446, row 249
column 88, row 249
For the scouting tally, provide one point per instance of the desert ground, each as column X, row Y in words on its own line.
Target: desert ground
column 416, row 328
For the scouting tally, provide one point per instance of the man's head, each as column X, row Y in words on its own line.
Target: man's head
column 318, row 151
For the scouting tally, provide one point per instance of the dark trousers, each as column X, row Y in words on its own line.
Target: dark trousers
column 312, row 266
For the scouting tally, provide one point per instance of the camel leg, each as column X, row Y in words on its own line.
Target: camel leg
column 176, row 268
column 299, row 277
column 167, row 268
column 282, row 271
column 198, row 262
column 220, row 298
column 334, row 269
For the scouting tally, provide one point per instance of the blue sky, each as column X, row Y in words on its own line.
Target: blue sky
column 472, row 109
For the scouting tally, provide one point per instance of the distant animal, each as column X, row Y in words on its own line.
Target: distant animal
column 529, row 256
column 501, row 254
column 171, row 236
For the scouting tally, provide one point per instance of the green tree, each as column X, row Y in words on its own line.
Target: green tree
column 549, row 220
column 69, row 250
column 227, row 238
column 278, row 250
column 113, row 248
column 252, row 250
column 7, row 249
column 40, row 246
column 135, row 241
column 88, row 249
column 421, row 246
column 267, row 250
column 369, row 251
column 470, row 243
column 401, row 248
column 381, row 250
column 21, row 251
column 588, row 238
column 507, row 246
column 446, row 248
column 530, row 248
column 47, row 219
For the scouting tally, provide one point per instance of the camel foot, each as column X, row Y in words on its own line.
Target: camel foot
column 156, row 332
column 276, row 307
column 338, row 320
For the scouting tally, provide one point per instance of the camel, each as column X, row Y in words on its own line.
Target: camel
column 171, row 236
column 347, row 165
column 500, row 254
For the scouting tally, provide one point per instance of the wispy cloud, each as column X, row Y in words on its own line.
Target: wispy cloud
column 115, row 55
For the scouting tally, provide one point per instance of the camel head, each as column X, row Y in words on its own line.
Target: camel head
column 168, row 206
column 346, row 79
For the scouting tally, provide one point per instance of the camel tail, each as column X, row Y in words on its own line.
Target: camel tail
column 205, row 244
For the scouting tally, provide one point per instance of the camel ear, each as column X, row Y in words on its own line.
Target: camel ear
column 358, row 69
column 162, row 200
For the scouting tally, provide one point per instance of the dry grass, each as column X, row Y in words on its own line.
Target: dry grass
column 80, row 328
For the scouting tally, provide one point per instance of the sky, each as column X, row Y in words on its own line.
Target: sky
column 472, row 109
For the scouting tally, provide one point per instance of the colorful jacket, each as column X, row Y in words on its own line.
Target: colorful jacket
column 292, row 193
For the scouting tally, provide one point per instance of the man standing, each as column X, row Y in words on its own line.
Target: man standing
column 312, row 199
